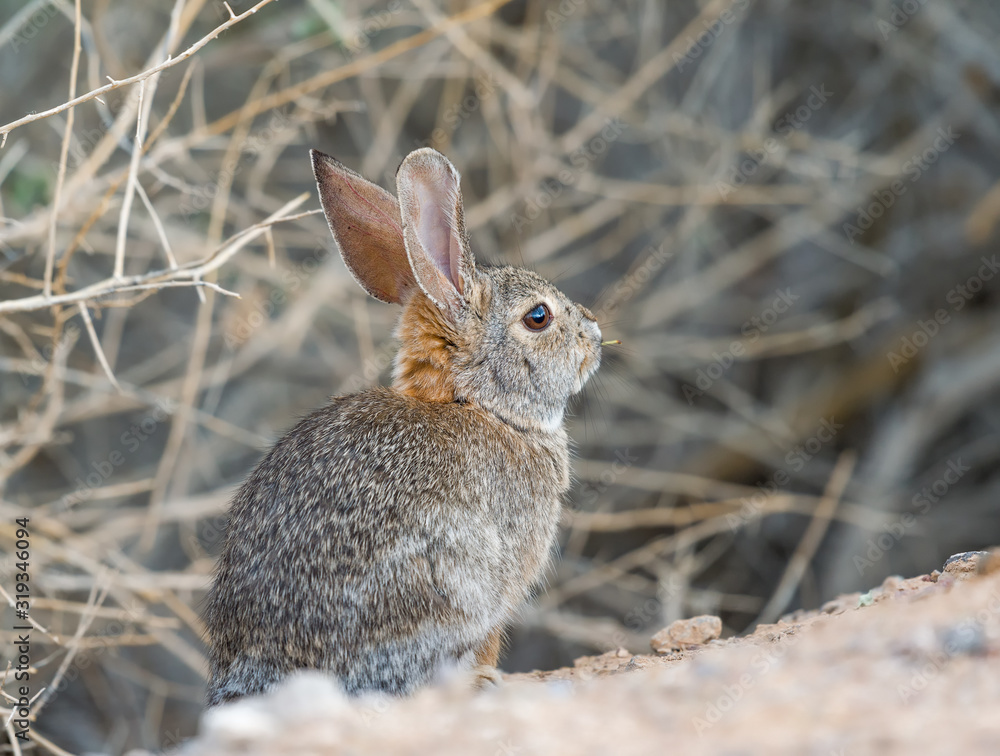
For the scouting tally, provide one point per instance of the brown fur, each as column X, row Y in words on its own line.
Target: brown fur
column 488, row 654
column 425, row 366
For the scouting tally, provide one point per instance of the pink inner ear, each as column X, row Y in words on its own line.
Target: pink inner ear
column 437, row 228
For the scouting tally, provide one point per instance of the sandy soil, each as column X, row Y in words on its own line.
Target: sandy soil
column 912, row 667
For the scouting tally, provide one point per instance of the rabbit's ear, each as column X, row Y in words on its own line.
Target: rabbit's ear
column 364, row 219
column 430, row 203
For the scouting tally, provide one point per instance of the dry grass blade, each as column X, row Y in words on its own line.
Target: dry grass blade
column 98, row 350
column 98, row 593
column 811, row 539
column 63, row 153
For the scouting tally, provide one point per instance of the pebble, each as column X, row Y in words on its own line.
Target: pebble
column 687, row 632
column 967, row 561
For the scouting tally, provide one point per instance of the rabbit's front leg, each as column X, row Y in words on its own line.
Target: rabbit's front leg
column 485, row 673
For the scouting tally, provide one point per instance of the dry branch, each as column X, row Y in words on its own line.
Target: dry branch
column 170, row 62
column 190, row 274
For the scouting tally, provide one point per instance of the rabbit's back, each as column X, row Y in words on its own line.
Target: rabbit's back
column 381, row 538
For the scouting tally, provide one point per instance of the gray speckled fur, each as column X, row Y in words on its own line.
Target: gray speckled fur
column 395, row 532
column 329, row 564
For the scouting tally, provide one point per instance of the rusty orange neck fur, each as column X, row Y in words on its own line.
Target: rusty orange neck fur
column 425, row 364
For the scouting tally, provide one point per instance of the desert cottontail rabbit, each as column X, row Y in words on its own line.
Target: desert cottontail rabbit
column 395, row 531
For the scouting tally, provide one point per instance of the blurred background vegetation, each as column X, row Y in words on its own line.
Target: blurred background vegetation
column 786, row 210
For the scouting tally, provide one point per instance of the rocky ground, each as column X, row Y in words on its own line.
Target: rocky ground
column 912, row 666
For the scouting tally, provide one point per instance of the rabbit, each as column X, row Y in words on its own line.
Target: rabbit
column 393, row 534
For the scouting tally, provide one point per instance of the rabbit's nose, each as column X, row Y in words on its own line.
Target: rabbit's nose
column 590, row 328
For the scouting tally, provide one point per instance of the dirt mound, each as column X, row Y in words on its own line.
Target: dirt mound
column 910, row 667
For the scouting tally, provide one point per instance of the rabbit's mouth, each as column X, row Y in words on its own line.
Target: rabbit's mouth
column 588, row 367
column 592, row 357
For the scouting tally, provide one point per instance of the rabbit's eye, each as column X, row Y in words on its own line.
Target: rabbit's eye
column 538, row 319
